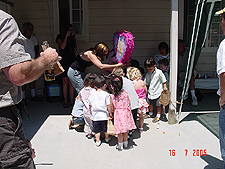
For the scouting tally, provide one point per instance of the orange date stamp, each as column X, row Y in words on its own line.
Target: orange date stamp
column 193, row 152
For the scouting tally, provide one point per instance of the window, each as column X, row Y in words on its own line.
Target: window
column 77, row 16
column 215, row 32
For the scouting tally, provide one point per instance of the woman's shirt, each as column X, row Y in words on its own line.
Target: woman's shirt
column 80, row 64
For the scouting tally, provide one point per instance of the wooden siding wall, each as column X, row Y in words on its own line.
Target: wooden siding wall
column 40, row 14
column 148, row 20
column 207, row 63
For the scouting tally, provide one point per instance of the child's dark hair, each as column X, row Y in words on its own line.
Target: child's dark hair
column 142, row 70
column 134, row 63
column 100, row 81
column 117, row 84
column 163, row 45
column 164, row 62
column 149, row 62
column 89, row 80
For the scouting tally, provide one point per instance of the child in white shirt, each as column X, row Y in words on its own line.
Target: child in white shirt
column 100, row 106
column 155, row 80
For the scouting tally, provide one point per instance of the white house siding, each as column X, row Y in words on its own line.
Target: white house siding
column 207, row 63
column 148, row 20
column 40, row 14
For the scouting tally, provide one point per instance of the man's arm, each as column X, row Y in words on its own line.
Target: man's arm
column 28, row 71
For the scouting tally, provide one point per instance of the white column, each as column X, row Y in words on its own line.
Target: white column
column 173, row 61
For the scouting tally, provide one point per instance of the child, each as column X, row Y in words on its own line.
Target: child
column 84, row 94
column 163, row 65
column 81, row 112
column 100, row 107
column 162, row 54
column 123, row 120
column 128, row 86
column 135, row 75
column 77, row 113
column 156, row 82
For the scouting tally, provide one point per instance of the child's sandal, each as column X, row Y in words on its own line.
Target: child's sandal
column 156, row 119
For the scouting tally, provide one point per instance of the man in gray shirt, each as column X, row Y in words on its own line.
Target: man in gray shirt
column 16, row 68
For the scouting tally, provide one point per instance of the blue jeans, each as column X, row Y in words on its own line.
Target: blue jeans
column 75, row 77
column 78, row 120
column 222, row 132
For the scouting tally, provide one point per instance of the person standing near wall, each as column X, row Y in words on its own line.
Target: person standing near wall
column 182, row 65
column 67, row 49
column 16, row 69
column 31, row 47
column 221, row 73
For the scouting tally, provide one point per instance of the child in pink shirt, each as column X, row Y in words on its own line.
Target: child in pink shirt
column 134, row 74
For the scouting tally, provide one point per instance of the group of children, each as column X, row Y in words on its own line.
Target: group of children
column 119, row 99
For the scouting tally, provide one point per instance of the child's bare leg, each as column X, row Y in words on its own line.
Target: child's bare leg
column 120, row 138
column 125, row 136
column 163, row 109
column 141, row 119
column 125, row 139
column 106, row 136
column 159, row 110
column 120, row 142
column 97, row 136
column 150, row 110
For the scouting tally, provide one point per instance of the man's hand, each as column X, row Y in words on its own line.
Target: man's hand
column 28, row 71
column 51, row 56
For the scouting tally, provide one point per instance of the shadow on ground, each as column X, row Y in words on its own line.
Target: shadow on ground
column 213, row 163
column 40, row 111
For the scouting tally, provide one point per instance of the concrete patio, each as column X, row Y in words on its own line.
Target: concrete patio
column 160, row 146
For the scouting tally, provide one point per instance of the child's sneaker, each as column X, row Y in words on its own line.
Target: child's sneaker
column 156, row 119
column 98, row 143
column 163, row 117
column 194, row 101
column 125, row 144
column 108, row 139
column 119, row 146
column 89, row 136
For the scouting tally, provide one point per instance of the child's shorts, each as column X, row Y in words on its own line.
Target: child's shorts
column 99, row 126
column 78, row 120
column 154, row 101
